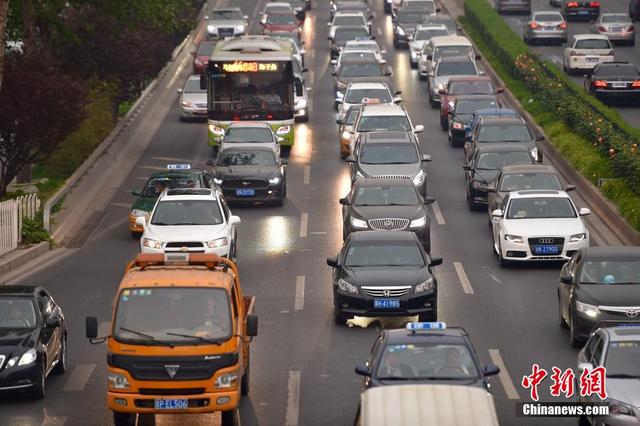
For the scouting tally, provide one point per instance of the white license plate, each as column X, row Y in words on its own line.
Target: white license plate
column 619, row 85
column 548, row 28
column 615, row 29
column 593, row 60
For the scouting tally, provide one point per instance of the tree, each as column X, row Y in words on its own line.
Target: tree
column 4, row 10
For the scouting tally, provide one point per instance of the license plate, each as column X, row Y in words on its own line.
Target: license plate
column 171, row 404
column 386, row 303
column 593, row 59
column 619, row 85
column 545, row 250
column 615, row 29
column 548, row 28
column 583, row 12
column 245, row 192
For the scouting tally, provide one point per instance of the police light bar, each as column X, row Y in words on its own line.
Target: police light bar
column 413, row 326
column 178, row 166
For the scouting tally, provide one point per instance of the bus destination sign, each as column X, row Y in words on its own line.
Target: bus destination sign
column 243, row 66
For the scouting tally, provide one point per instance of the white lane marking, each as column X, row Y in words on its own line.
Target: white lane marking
column 462, row 276
column 307, row 174
column 379, row 31
column 504, row 376
column 496, row 279
column 293, row 399
column 298, row 305
column 318, row 233
column 176, row 75
column 127, row 205
column 48, row 420
column 304, row 221
column 438, row 213
column 79, row 377
column 598, row 240
column 556, row 59
column 311, row 76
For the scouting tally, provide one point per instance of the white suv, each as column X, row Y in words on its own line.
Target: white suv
column 190, row 220
column 358, row 92
column 538, row 225
column 250, row 134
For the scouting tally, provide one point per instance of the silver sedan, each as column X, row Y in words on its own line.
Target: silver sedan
column 545, row 26
column 616, row 26
column 193, row 99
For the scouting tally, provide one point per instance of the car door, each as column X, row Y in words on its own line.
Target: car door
column 563, row 288
column 374, row 355
column 569, row 289
column 50, row 336
column 226, row 213
column 497, row 222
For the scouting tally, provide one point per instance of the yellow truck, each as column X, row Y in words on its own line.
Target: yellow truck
column 179, row 338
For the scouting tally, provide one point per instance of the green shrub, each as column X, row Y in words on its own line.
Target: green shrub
column 33, row 232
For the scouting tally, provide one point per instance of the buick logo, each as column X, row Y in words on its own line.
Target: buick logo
column 386, row 293
column 388, row 224
column 545, row 240
column 632, row 313
column 172, row 370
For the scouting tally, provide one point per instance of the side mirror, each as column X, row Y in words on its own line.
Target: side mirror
column 136, row 191
column 91, row 327
column 418, row 129
column 481, row 72
column 499, row 89
column 329, row 38
column 206, row 17
column 334, row 73
column 332, row 261
column 566, row 279
column 179, row 90
column 362, row 370
column 303, row 52
column 539, row 138
column 280, row 140
column 328, row 24
column 435, row 261
column 251, row 326
column 382, row 61
column 339, row 120
column 383, row 52
column 53, row 322
column 569, row 188
column 429, row 200
column 438, row 10
column 308, row 88
column 234, row 220
column 398, row 92
column 387, row 72
column 584, row 211
column 141, row 221
column 491, row 189
column 491, row 370
column 373, row 37
column 426, row 157
column 339, row 101
column 478, row 57
column 284, row 161
column 466, row 167
column 496, row 213
column 350, row 159
column 305, row 69
column 397, row 99
column 585, row 366
column 344, row 201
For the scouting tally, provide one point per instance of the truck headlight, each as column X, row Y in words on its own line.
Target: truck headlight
column 283, row 130
column 419, row 178
column 118, row 381
column 587, row 309
column 240, row 28
column 226, row 380
column 27, row 358
column 577, row 237
column 358, row 223
column 151, row 243
column 424, row 286
column 513, row 238
column 186, row 104
column 218, row 242
column 274, row 181
column 346, row 135
column 346, row 287
column 418, row 223
column 139, row 213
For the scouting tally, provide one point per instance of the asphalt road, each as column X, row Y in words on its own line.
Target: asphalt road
column 302, row 366
column 554, row 53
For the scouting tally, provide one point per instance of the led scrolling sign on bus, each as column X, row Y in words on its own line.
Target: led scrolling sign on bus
column 242, row 66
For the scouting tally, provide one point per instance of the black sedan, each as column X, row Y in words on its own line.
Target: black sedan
column 355, row 70
column 33, row 339
column 599, row 286
column 251, row 174
column 346, row 33
column 429, row 353
column 614, row 81
column 463, row 108
column 383, row 273
column 485, row 163
column 386, row 204
column 580, row 9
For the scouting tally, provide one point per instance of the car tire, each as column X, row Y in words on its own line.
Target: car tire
column 413, row 65
column 422, row 77
column 214, row 150
column 562, row 321
column 339, row 318
column 38, row 391
column 230, row 417
column 124, row 419
column 136, row 235
column 574, row 340
column 336, row 106
column 61, row 366
column 244, row 383
column 396, row 44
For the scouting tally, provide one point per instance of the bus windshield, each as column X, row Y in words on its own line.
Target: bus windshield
column 251, row 91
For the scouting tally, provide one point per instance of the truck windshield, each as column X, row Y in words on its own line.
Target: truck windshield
column 176, row 315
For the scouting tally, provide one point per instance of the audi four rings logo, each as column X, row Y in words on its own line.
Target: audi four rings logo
column 545, row 240
column 388, row 224
column 386, row 293
column 632, row 313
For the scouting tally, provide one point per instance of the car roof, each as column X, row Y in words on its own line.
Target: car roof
column 383, row 109
column 502, row 147
column 454, row 40
column 617, row 334
column 383, row 236
column 454, row 59
column 536, row 193
column 367, row 85
column 386, row 137
column 612, row 252
column 430, row 26
column 448, row 335
column 529, row 168
column 590, row 36
column 351, row 27
column 476, row 97
column 473, row 78
column 383, row 181
column 17, row 290
column 497, row 111
column 498, row 121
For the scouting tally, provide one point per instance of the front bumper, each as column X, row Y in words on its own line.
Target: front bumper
column 362, row 305
column 17, row 378
column 581, row 63
column 193, row 112
column 521, row 252
column 271, row 193
column 220, row 251
column 620, row 36
column 207, row 402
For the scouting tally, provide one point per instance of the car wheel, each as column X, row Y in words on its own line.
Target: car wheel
column 214, row 150
column 38, row 391
column 124, row 419
column 61, row 366
column 336, row 106
column 244, row 383
column 444, row 124
column 422, row 77
column 230, row 417
column 338, row 317
column 396, row 44
column 574, row 340
column 429, row 316
column 413, row 65
column 136, row 235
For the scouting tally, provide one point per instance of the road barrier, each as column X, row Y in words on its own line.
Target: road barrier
column 12, row 213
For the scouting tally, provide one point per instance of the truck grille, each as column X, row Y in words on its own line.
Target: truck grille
column 189, row 367
column 388, row 224
column 395, row 291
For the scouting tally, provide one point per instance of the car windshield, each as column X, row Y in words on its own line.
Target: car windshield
column 437, row 361
column 246, row 158
column 225, row 14
column 360, row 70
column 351, row 117
column 622, row 359
column 469, row 106
column 615, row 18
column 279, row 9
column 442, row 51
column 344, row 34
column 547, row 17
column 597, row 271
column 618, row 70
column 409, row 17
column 173, row 314
column 156, row 185
column 187, row 212
column 384, row 122
column 442, row 19
column 355, row 96
column 193, row 86
column 593, row 43
column 384, row 253
column 362, row 45
column 394, row 153
column 456, row 68
column 385, row 196
column 497, row 160
column 205, row 48
column 504, row 133
column 17, row 312
column 427, row 33
column 541, row 208
column 482, row 87
column 349, row 20
column 249, row 134
column 281, row 18
column 419, row 5
column 365, row 56
column 524, row 181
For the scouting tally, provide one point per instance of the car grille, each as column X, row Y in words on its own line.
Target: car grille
column 199, row 105
column 388, row 224
column 2, row 358
column 190, row 244
column 391, row 177
column 621, row 311
column 386, row 291
column 225, row 32
column 245, row 183
column 154, row 368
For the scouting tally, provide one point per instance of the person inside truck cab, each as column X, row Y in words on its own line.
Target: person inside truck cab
column 215, row 320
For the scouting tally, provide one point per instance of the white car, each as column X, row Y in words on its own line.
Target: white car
column 585, row 51
column 193, row 99
column 441, row 46
column 190, row 220
column 538, row 225
column 247, row 133
column 366, row 45
column 348, row 18
column 357, row 93
column 301, row 100
column 422, row 35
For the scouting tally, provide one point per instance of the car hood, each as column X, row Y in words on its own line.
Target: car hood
column 609, row 294
column 410, row 169
column 380, row 212
column 485, row 176
column 444, row 79
column 14, row 341
column 386, row 275
column 184, row 232
column 145, row 203
column 195, row 97
column 226, row 23
column 346, row 80
column 281, row 27
column 624, row 390
column 544, row 227
column 240, row 172
column 417, row 44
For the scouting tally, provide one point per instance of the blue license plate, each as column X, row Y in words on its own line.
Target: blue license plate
column 545, row 249
column 171, row 404
column 386, row 303
column 245, row 192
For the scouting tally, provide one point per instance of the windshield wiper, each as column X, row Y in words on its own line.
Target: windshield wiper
column 193, row 336
column 396, row 378
column 139, row 333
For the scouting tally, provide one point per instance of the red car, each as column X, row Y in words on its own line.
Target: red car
column 481, row 85
column 280, row 22
column 201, row 55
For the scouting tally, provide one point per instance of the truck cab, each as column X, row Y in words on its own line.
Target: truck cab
column 179, row 338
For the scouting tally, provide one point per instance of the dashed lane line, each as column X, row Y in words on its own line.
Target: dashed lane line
column 304, row 222
column 298, row 304
column 293, row 399
column 504, row 376
column 438, row 213
column 79, row 377
column 462, row 276
column 307, row 174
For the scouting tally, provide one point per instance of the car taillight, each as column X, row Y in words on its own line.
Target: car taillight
column 563, row 26
column 572, row 4
column 600, row 83
column 594, row 4
column 534, row 25
column 602, row 29
column 636, row 84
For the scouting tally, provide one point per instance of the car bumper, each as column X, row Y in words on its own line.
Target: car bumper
column 193, row 112
column 207, row 402
column 617, row 93
column 581, row 63
column 547, row 35
column 220, row 251
column 582, row 12
column 16, row 378
column 362, row 305
column 620, row 36
column 261, row 195
column 458, row 135
column 521, row 252
column 301, row 113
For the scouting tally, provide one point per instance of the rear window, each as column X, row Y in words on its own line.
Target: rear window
column 504, row 133
column 468, row 107
column 351, row 34
column 349, row 20
column 617, row 71
column 593, row 43
column 548, row 17
column 471, row 88
column 525, row 181
column 384, row 254
column 456, row 68
column 615, row 18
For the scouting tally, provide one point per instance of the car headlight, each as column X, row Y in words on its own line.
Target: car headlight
column 424, row 286
column 346, row 135
column 240, row 28
column 27, row 358
column 619, row 408
column 283, row 130
column 457, row 125
column 534, row 152
column 226, row 380
column 577, row 237
column 358, row 223
column 274, row 180
column 118, row 381
column 479, row 185
column 301, row 104
column 400, row 31
column 211, row 28
column 346, row 287
column 513, row 238
column 418, row 223
column 139, row 213
column 151, row 243
column 339, row 94
column 186, row 104
column 218, row 242
column 218, row 181
column 419, row 178
column 216, row 130
column 587, row 309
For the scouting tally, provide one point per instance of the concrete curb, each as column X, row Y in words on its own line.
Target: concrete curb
column 17, row 258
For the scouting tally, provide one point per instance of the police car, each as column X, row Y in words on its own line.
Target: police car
column 176, row 176
column 425, row 352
